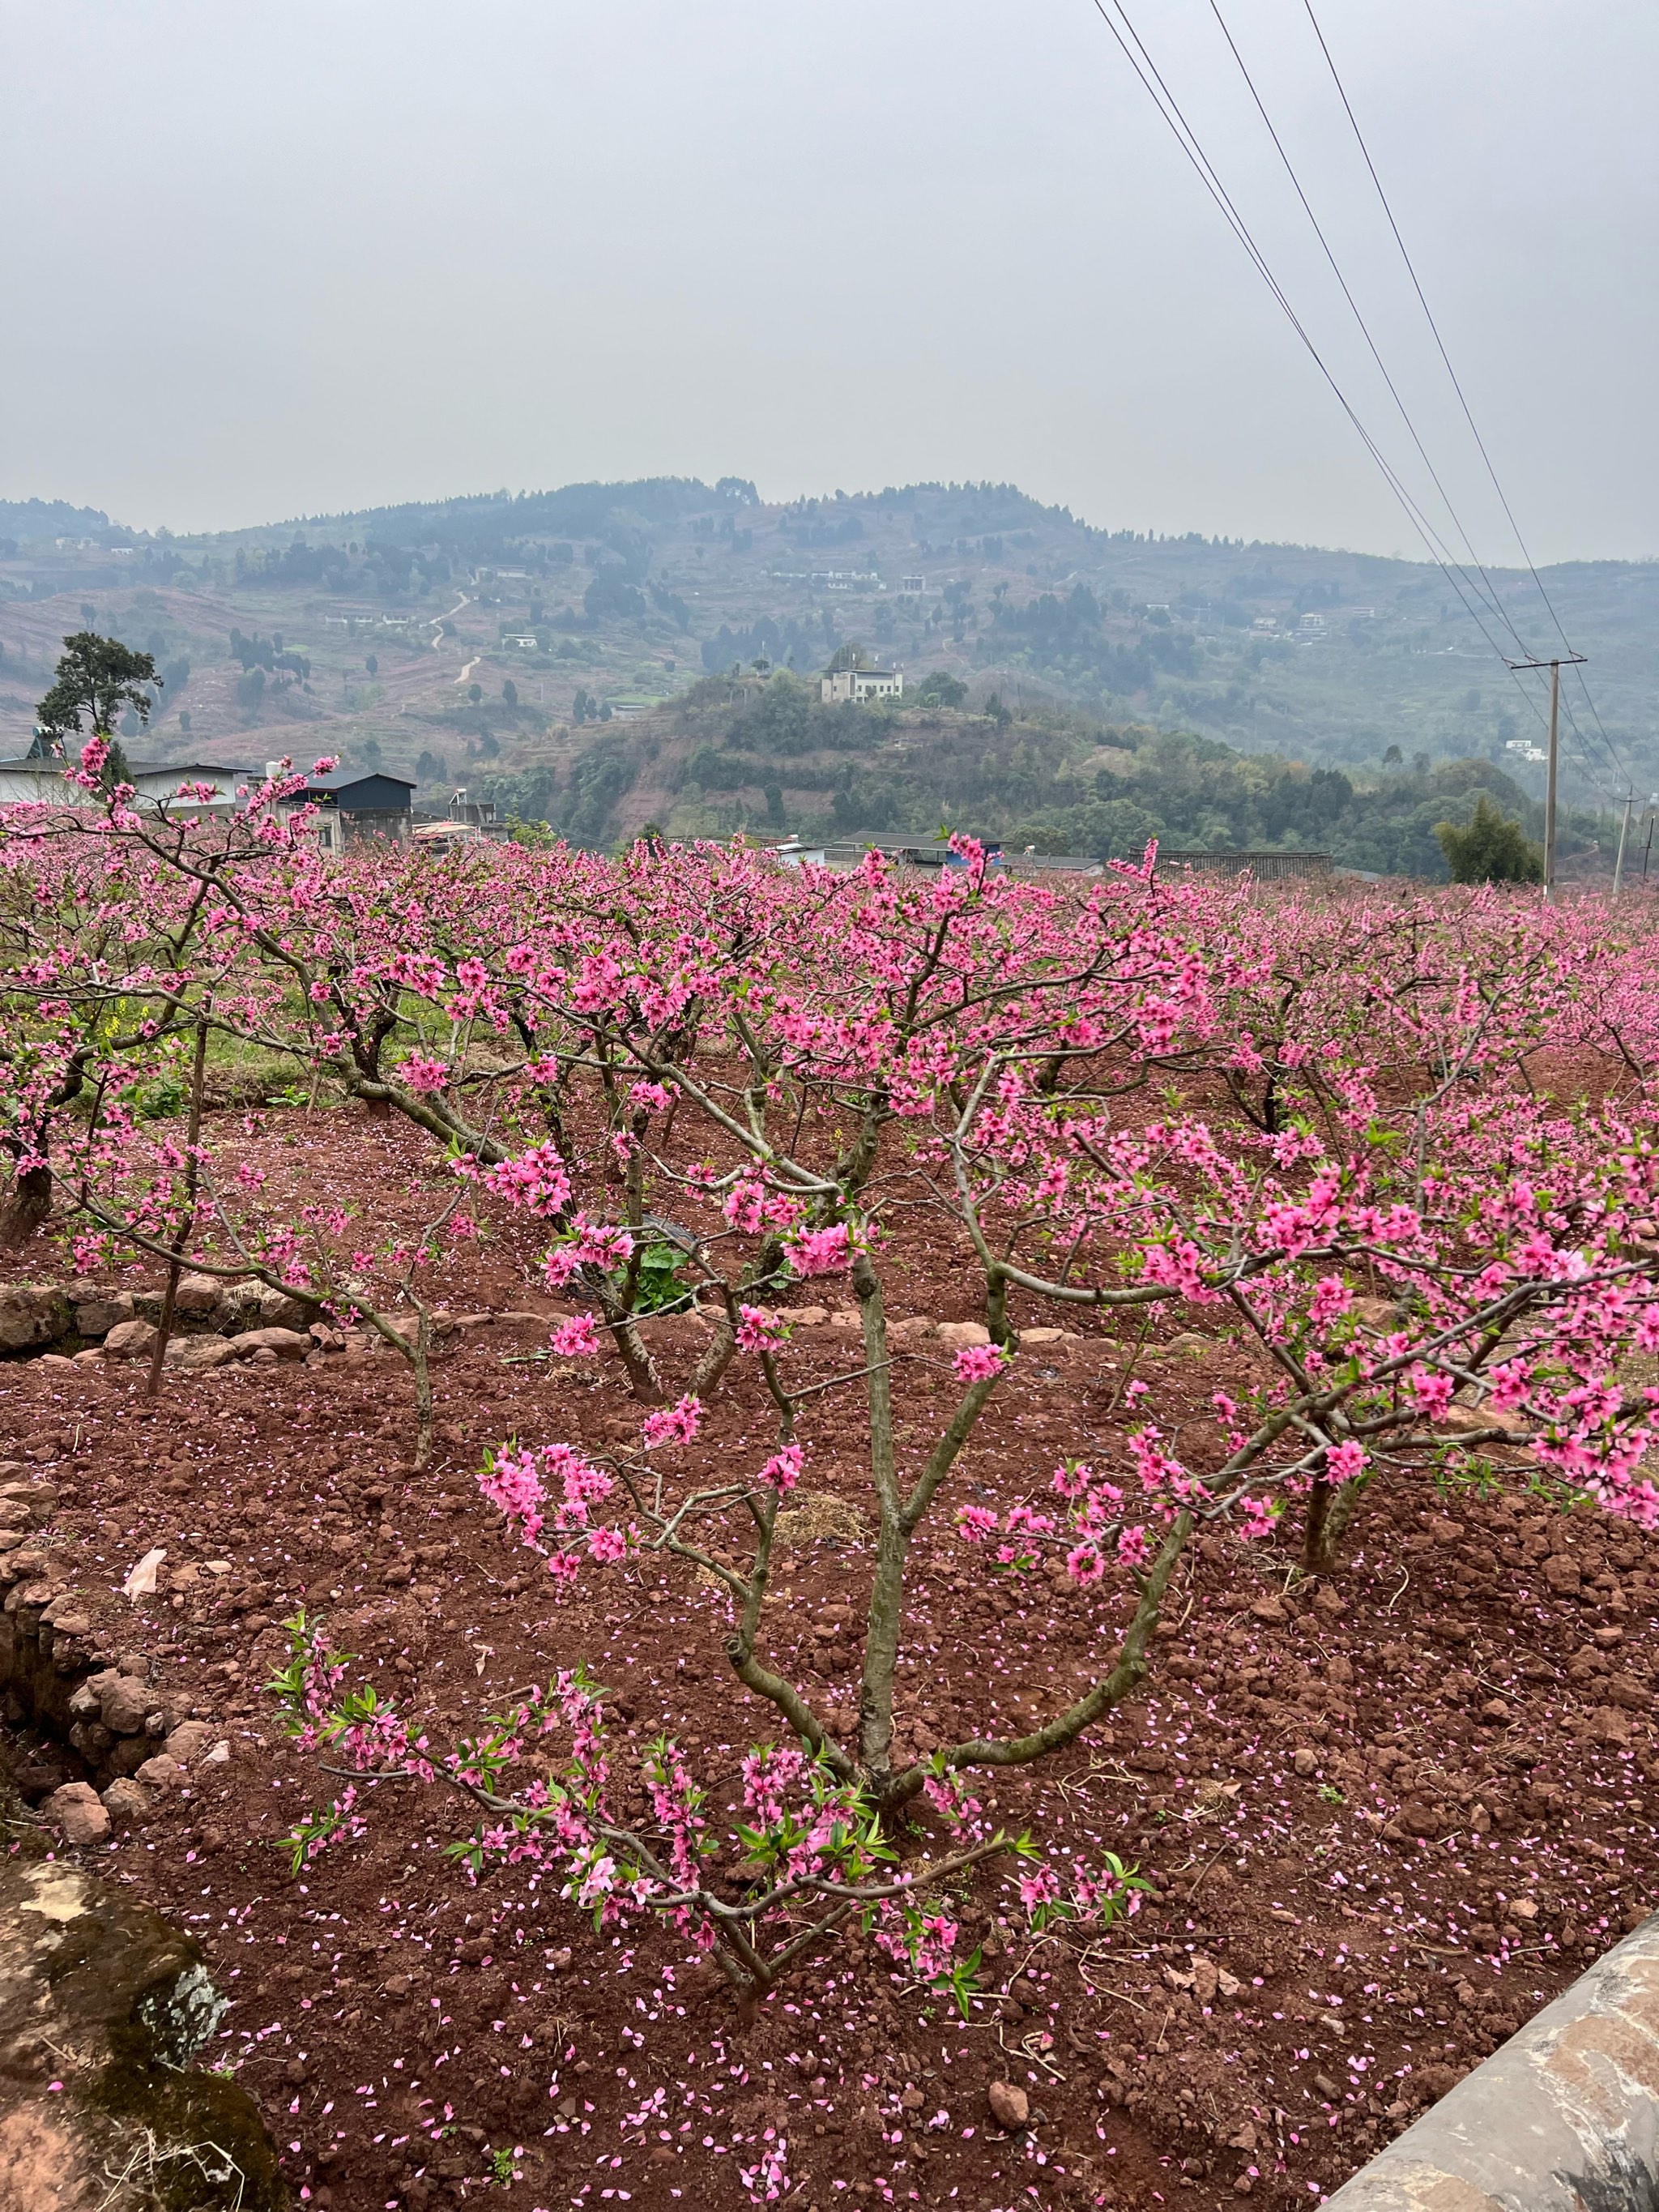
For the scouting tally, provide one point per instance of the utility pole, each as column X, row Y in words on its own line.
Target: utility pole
column 1647, row 848
column 1624, row 832
column 1572, row 660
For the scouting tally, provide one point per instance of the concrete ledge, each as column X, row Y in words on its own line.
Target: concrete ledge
column 1564, row 2119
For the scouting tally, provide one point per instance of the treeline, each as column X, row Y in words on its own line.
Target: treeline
column 1063, row 782
column 1069, row 633
column 1193, row 794
column 580, row 806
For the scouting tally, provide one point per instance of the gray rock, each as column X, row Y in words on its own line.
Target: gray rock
column 91, row 1740
column 31, row 1502
column 161, row 1772
column 277, row 1310
column 196, row 1294
column 1011, row 2107
column 76, row 1811
column 30, row 1314
column 199, row 1355
column 86, row 1703
column 124, row 1705
column 189, row 1741
column 441, row 1336
column 238, row 1306
column 127, row 1800
column 281, row 1343
column 131, row 1339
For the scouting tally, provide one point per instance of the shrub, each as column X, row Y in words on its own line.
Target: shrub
column 1491, row 848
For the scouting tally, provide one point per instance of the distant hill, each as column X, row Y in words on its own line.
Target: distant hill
column 584, row 617
column 24, row 520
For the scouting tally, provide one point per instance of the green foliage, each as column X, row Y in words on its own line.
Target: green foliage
column 269, row 655
column 1061, row 780
column 940, row 689
column 798, row 641
column 1489, row 848
column 1073, row 632
column 662, row 1286
column 611, row 594
column 158, row 1099
column 784, row 718
column 602, row 776
column 715, row 771
column 98, row 680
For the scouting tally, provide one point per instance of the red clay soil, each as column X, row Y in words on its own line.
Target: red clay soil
column 1384, row 1823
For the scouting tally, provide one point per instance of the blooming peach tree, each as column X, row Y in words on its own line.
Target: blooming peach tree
column 1325, row 1140
column 1464, row 1265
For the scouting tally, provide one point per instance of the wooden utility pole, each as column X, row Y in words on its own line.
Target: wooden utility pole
column 1572, row 660
column 1624, row 832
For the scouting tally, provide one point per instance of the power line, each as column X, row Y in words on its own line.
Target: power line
column 1491, row 597
column 1140, row 60
column 1457, row 383
column 1169, row 108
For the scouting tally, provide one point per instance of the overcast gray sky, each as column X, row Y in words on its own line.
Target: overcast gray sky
column 285, row 256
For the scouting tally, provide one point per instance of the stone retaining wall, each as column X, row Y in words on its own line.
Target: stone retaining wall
column 214, row 1320
column 78, row 1685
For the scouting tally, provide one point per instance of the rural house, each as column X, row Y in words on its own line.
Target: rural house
column 354, row 803
column 861, row 683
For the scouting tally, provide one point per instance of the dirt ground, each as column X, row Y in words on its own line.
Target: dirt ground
column 1383, row 1824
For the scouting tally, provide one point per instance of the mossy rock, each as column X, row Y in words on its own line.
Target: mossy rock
column 102, row 2006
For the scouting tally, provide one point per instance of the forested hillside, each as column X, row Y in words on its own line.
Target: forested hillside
column 576, row 649
column 764, row 755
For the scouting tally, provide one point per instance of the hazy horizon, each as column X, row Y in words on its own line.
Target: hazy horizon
column 324, row 261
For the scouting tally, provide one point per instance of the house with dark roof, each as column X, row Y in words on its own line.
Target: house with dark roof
column 353, row 803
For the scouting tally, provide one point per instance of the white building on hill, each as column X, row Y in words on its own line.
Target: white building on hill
column 861, row 683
